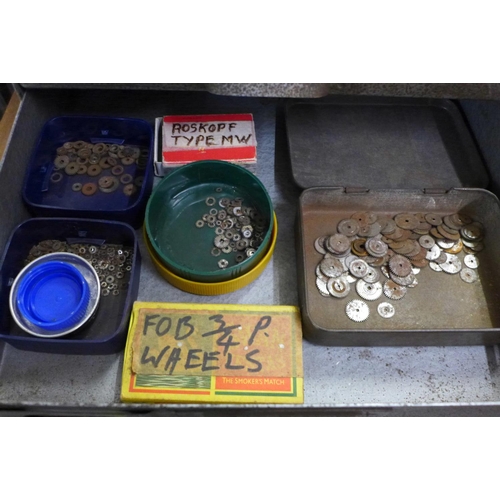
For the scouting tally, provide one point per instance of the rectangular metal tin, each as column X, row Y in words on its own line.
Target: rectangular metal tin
column 441, row 310
column 390, row 156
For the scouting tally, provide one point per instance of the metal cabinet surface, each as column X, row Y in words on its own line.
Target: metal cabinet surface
column 337, row 380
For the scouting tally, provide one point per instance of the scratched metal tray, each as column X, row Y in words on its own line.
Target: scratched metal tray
column 388, row 157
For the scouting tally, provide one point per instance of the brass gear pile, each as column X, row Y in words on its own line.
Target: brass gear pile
column 99, row 168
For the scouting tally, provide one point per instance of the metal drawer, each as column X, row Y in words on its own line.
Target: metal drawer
column 343, row 380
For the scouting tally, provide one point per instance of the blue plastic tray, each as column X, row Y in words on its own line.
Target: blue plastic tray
column 48, row 199
column 107, row 332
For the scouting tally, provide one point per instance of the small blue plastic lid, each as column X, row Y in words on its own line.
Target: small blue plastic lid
column 53, row 296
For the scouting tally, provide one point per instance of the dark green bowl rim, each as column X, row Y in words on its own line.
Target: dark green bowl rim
column 223, row 273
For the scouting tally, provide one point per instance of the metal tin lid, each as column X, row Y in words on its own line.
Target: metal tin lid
column 53, row 296
column 368, row 143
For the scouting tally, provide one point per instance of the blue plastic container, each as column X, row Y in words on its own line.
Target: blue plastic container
column 48, row 199
column 53, row 296
column 107, row 332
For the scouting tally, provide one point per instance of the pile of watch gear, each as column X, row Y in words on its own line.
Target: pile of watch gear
column 100, row 167
column 382, row 255
column 112, row 263
column 238, row 229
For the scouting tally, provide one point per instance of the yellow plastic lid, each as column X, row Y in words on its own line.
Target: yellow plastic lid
column 213, row 288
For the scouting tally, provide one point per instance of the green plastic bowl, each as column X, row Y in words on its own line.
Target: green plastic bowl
column 179, row 201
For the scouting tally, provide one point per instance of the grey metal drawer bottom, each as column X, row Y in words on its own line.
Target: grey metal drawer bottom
column 337, row 380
